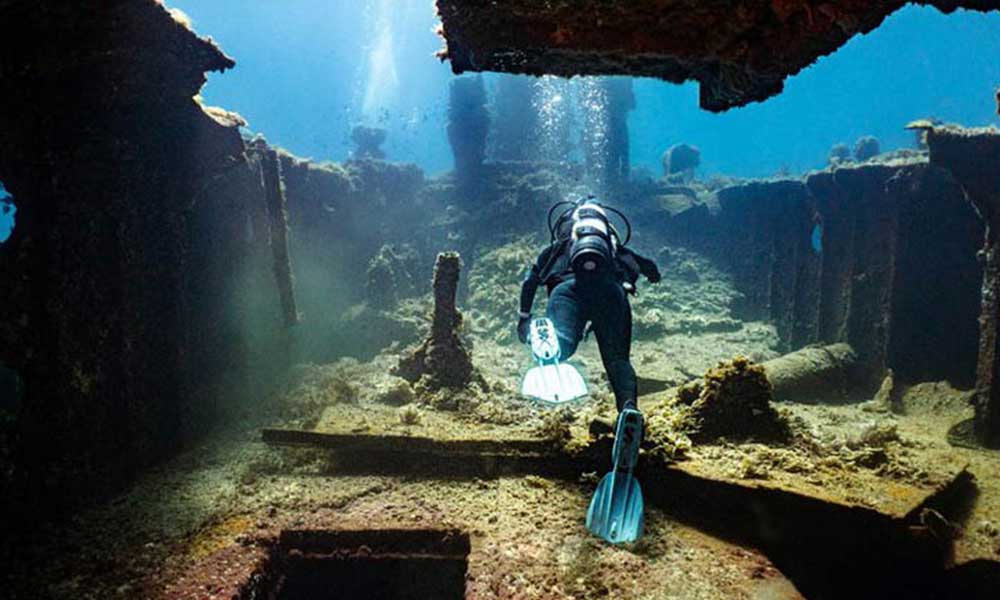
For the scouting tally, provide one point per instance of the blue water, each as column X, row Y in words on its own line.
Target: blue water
column 816, row 238
column 307, row 70
column 7, row 212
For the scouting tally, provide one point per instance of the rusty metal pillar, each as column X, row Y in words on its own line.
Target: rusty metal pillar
column 973, row 157
column 442, row 360
column 987, row 419
column 277, row 211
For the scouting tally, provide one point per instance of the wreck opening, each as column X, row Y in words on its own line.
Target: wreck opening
column 8, row 213
column 174, row 279
column 383, row 563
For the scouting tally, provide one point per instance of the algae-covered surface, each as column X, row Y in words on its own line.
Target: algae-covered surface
column 196, row 527
column 199, row 525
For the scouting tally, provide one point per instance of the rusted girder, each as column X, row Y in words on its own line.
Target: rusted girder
column 973, row 157
column 277, row 212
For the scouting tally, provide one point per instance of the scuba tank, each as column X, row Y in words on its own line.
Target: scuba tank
column 594, row 243
column 592, row 239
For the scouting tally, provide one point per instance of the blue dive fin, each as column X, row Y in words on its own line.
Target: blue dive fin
column 616, row 510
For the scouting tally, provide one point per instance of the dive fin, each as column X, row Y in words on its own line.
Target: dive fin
column 551, row 381
column 616, row 510
column 555, row 383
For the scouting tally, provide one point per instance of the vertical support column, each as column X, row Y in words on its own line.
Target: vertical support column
column 987, row 419
column 277, row 211
column 973, row 157
column 442, row 360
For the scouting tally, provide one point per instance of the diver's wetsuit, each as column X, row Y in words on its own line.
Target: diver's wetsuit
column 598, row 298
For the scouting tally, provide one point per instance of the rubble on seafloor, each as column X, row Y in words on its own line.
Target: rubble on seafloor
column 732, row 402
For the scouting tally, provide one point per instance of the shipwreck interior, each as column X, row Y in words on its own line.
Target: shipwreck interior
column 228, row 371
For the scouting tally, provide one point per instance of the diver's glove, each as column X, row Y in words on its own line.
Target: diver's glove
column 653, row 274
column 648, row 268
column 524, row 327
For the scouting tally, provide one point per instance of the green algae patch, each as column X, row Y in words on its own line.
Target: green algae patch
column 495, row 284
column 735, row 403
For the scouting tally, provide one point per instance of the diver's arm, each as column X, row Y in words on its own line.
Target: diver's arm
column 531, row 282
column 647, row 267
column 528, row 289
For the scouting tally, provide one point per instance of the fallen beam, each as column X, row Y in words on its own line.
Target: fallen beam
column 405, row 443
column 812, row 374
column 424, row 457
column 397, row 454
column 817, row 374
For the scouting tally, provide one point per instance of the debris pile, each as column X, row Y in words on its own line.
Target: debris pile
column 734, row 401
column 680, row 162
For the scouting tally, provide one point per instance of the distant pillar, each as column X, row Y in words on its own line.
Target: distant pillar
column 468, row 125
column 621, row 101
column 606, row 104
column 515, row 132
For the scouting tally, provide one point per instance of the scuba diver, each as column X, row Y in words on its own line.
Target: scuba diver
column 589, row 272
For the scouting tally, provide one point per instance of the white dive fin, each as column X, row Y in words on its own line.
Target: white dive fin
column 555, row 383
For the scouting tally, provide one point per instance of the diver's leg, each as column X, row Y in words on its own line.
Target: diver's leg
column 612, row 323
column 566, row 315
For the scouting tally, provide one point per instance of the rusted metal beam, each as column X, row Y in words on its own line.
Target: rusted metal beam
column 407, row 444
column 973, row 157
column 277, row 210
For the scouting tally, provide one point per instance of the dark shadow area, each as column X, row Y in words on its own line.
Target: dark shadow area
column 963, row 435
column 10, row 408
column 827, row 550
column 10, row 390
column 939, row 237
column 979, row 578
column 379, row 564
column 649, row 386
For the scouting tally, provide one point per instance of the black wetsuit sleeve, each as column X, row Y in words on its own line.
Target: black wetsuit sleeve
column 532, row 279
column 646, row 266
